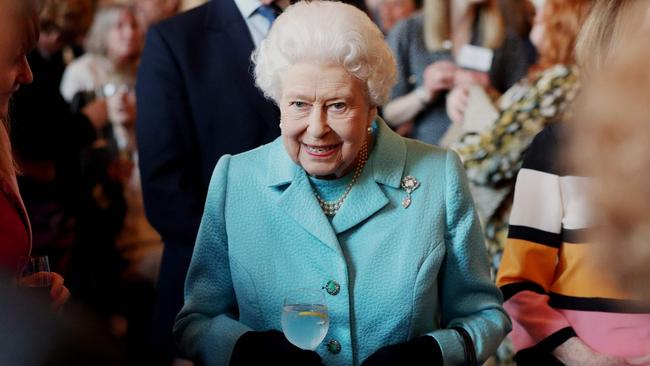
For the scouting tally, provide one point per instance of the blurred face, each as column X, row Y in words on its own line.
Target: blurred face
column 392, row 11
column 538, row 32
column 123, row 39
column 325, row 116
column 14, row 69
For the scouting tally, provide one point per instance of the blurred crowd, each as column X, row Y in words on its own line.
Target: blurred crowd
column 113, row 152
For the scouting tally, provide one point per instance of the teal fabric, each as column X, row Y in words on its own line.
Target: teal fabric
column 403, row 272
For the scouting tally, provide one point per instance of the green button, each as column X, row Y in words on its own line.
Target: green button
column 332, row 287
column 334, row 346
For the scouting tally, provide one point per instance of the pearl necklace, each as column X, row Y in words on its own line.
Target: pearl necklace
column 332, row 207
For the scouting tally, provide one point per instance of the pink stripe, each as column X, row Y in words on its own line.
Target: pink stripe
column 532, row 319
column 623, row 335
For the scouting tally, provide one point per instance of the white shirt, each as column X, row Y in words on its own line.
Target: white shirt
column 257, row 24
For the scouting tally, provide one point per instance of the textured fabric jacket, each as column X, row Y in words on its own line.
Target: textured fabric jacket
column 403, row 272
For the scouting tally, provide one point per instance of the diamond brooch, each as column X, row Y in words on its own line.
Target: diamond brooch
column 409, row 184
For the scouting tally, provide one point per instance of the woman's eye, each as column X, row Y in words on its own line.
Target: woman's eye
column 298, row 104
column 338, row 106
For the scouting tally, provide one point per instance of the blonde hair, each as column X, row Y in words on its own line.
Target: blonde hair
column 437, row 23
column 609, row 140
column 106, row 17
column 327, row 33
column 27, row 13
column 608, row 25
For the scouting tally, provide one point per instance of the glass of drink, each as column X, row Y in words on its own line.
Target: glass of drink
column 305, row 319
column 34, row 275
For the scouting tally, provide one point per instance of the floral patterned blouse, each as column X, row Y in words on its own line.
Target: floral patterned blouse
column 495, row 156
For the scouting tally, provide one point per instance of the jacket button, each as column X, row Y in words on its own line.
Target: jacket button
column 332, row 287
column 334, row 346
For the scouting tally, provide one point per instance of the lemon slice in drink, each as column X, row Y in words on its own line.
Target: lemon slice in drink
column 312, row 313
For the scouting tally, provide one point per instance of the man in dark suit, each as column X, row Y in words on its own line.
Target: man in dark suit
column 196, row 101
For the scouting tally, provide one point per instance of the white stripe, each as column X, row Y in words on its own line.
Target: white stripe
column 575, row 198
column 538, row 201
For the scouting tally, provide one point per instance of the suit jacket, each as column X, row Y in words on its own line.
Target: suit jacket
column 403, row 272
column 196, row 102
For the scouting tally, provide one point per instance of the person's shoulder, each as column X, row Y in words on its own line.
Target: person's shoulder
column 418, row 151
column 543, row 154
column 82, row 62
column 182, row 22
column 406, row 29
column 257, row 156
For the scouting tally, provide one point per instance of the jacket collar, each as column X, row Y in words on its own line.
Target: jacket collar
column 385, row 167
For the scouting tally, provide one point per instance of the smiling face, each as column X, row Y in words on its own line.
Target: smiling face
column 14, row 45
column 325, row 117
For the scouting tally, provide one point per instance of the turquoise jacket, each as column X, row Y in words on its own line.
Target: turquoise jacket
column 403, row 272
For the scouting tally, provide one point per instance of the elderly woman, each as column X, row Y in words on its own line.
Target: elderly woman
column 383, row 227
column 18, row 35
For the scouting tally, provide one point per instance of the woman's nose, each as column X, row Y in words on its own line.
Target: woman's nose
column 25, row 75
column 318, row 125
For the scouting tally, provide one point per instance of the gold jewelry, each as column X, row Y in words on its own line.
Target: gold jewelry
column 332, row 207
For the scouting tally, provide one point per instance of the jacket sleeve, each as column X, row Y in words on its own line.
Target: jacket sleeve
column 206, row 329
column 168, row 158
column 468, row 297
column 531, row 254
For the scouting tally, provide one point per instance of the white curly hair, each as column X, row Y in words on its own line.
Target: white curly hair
column 326, row 33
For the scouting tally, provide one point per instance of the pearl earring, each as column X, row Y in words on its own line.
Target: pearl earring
column 369, row 130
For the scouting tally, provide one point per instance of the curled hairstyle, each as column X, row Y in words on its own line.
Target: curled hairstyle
column 326, row 33
column 562, row 21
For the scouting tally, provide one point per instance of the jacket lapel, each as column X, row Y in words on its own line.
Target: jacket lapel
column 384, row 167
column 297, row 199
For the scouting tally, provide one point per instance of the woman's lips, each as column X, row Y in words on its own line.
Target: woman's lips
column 321, row 151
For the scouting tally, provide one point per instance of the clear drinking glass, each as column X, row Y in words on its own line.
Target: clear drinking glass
column 34, row 275
column 305, row 319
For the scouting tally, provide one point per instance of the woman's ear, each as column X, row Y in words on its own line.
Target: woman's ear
column 372, row 114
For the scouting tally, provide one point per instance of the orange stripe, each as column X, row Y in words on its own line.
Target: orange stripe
column 527, row 261
column 579, row 276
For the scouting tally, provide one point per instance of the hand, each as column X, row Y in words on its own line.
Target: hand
column 639, row 361
column 97, row 113
column 121, row 108
column 58, row 292
column 120, row 170
column 575, row 352
column 439, row 76
column 270, row 347
column 468, row 77
column 457, row 101
column 423, row 350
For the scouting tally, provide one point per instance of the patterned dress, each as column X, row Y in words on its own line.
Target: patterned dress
column 493, row 158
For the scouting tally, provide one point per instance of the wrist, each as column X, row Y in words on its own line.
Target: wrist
column 423, row 95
